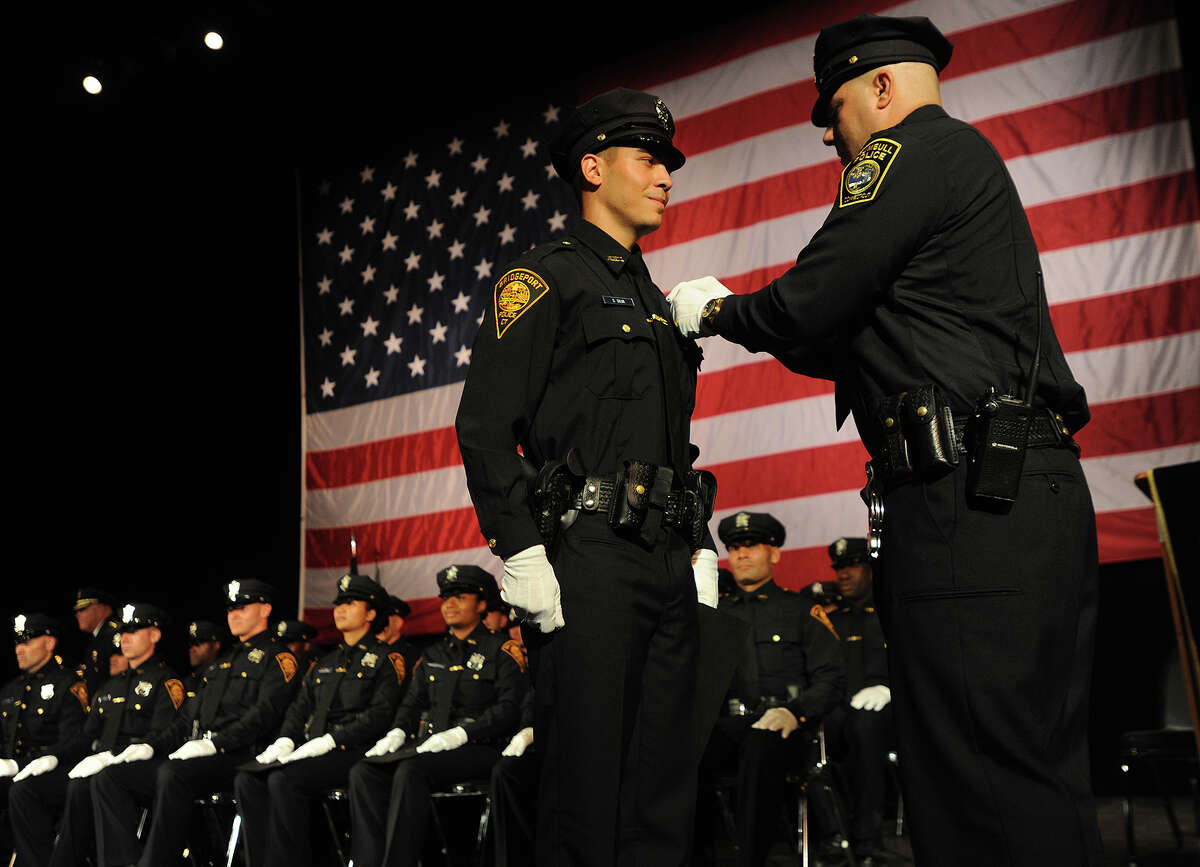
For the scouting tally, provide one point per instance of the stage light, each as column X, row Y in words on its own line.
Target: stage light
column 92, row 84
column 213, row 40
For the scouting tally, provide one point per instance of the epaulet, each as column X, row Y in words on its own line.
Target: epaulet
column 542, row 251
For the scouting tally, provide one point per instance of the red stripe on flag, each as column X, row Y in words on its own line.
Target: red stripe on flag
column 751, row 385
column 382, row 459
column 413, row 536
column 789, row 475
column 1128, row 534
column 1156, row 421
column 1127, row 317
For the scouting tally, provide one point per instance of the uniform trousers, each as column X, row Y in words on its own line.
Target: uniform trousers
column 860, row 740
column 391, row 806
column 34, row 807
column 615, row 702
column 514, row 809
column 277, row 806
column 990, row 622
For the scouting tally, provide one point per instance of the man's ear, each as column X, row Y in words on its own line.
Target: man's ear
column 883, row 87
column 591, row 168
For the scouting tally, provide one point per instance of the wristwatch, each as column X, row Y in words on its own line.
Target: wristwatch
column 708, row 313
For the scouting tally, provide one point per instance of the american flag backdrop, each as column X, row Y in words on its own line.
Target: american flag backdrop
column 1083, row 99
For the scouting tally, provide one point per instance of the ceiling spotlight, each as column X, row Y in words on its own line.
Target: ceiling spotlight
column 213, row 40
column 92, row 84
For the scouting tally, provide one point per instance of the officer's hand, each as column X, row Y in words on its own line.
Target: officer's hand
column 520, row 742
column 704, row 569
column 134, row 753
column 531, row 588
column 194, row 750
column 389, row 743
column 8, row 768
column 275, row 751
column 871, row 698
column 687, row 302
column 450, row 739
column 92, row 765
column 778, row 719
column 37, row 767
column 316, row 747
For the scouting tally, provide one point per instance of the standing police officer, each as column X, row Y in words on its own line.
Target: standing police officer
column 577, row 363
column 920, row 297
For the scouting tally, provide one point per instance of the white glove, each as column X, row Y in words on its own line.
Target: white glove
column 37, row 767
column 705, row 572
column 8, row 768
column 871, row 698
column 316, row 747
column 134, row 753
column 450, row 739
column 389, row 743
column 194, row 750
column 687, row 302
column 520, row 742
column 275, row 751
column 92, row 765
column 531, row 588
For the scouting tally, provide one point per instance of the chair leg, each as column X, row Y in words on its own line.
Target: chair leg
column 1165, row 794
column 333, row 834
column 441, row 832
column 1127, row 810
column 727, row 817
column 893, row 763
column 835, row 804
column 231, row 848
column 481, row 837
column 802, row 826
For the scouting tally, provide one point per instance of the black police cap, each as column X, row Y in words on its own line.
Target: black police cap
column 141, row 615
column 847, row 50
column 200, row 631
column 27, row 627
column 398, row 606
column 295, row 630
column 751, row 528
column 351, row 587
column 87, row 596
column 466, row 579
column 847, row 552
column 618, row 117
column 246, row 591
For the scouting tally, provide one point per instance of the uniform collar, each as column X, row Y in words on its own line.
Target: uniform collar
column 472, row 637
column 765, row 592
column 611, row 253
column 924, row 113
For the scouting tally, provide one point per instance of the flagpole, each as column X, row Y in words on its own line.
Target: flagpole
column 303, row 396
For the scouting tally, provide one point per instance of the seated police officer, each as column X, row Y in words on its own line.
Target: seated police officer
column 462, row 708
column 94, row 614
column 392, row 635
column 126, row 711
column 801, row 678
column 42, row 709
column 344, row 705
column 513, row 790
column 860, row 729
column 237, row 707
column 205, row 640
column 297, row 636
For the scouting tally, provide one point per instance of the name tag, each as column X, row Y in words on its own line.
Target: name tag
column 616, row 301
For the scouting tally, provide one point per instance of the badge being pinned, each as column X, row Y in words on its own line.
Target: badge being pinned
column 862, row 178
column 515, row 292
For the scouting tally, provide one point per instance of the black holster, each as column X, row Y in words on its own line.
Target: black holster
column 552, row 495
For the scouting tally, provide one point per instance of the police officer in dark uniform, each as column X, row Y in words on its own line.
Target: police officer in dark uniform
column 860, row 731
column 462, row 708
column 126, row 711
column 297, row 636
column 801, row 678
column 920, row 297
column 393, row 635
column 513, row 791
column 236, row 709
column 204, row 646
column 94, row 613
column 577, row 363
column 344, row 705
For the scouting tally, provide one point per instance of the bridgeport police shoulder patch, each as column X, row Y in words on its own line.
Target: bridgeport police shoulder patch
column 862, row 179
column 515, row 292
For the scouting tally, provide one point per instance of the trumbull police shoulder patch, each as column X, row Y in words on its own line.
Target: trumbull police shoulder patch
column 864, row 176
column 515, row 292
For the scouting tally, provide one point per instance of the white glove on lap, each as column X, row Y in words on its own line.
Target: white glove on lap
column 134, row 753
column 8, row 768
column 389, row 743
column 687, row 302
column 37, row 767
column 871, row 698
column 531, row 588
column 275, row 751
column 520, row 742
column 92, row 765
column 705, row 572
column 194, row 750
column 316, row 747
column 450, row 739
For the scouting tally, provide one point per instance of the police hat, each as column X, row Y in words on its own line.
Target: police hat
column 398, row 606
column 618, row 117
column 465, row 579
column 200, row 631
column 294, row 630
column 140, row 616
column 86, row 596
column 751, row 528
column 351, row 587
column 847, row 552
column 247, row 591
column 26, row 627
column 847, row 50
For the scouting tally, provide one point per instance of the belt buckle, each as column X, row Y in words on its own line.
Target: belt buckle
column 875, row 510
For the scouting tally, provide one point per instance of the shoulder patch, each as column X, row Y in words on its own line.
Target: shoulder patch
column 516, row 651
column 79, row 690
column 862, row 179
column 287, row 664
column 818, row 614
column 515, row 292
column 398, row 664
column 176, row 691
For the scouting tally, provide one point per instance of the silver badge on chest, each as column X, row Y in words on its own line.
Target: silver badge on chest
column 475, row 663
column 47, row 691
column 143, row 688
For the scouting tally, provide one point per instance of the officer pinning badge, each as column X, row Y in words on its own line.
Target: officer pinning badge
column 369, row 660
column 515, row 292
column 143, row 688
column 47, row 691
column 475, row 663
column 256, row 655
column 863, row 177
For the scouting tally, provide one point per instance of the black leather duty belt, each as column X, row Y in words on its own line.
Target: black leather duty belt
column 601, row 493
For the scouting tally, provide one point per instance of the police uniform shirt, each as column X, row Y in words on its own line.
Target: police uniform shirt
column 476, row 682
column 863, row 644
column 922, row 272
column 577, row 349
column 93, row 667
column 351, row 693
column 41, row 712
column 134, row 706
column 795, row 645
